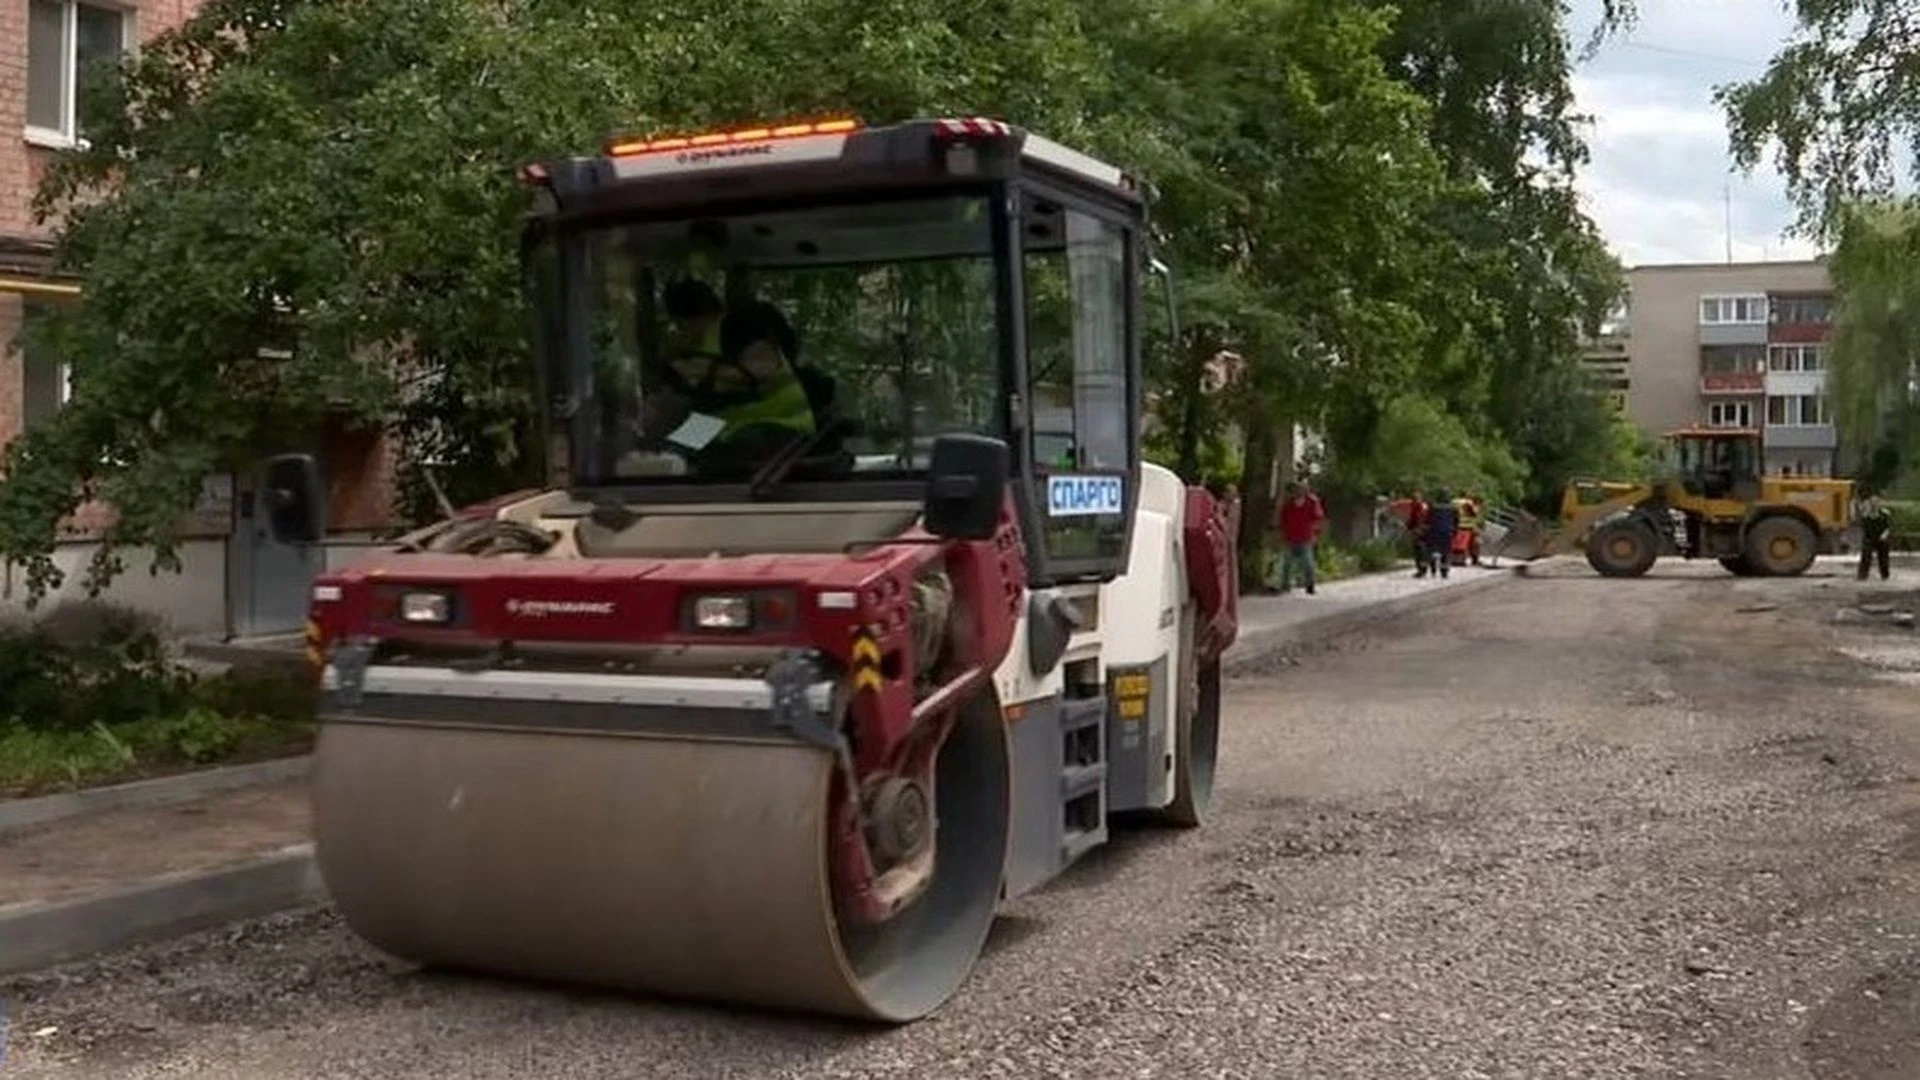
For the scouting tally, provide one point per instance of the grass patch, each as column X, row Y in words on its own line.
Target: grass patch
column 91, row 697
column 1335, row 561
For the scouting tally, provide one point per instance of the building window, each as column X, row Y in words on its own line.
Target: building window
column 65, row 39
column 48, row 385
column 1797, row 410
column 1813, row 409
column 1726, row 359
column 1730, row 414
column 1802, row 309
column 1796, row 358
column 1732, row 310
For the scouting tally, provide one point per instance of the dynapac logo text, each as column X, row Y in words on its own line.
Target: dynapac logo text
column 541, row 608
column 694, row 157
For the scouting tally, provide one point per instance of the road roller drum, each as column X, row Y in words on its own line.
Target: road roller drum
column 685, row 867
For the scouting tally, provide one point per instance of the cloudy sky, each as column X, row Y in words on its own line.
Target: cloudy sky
column 1661, row 177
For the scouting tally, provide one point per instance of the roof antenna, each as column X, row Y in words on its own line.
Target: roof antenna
column 1726, row 198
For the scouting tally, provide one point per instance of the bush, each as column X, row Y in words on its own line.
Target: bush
column 1333, row 562
column 1378, row 556
column 1905, row 515
column 91, row 695
column 87, row 664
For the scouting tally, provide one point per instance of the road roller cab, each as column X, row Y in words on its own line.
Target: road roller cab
column 851, row 610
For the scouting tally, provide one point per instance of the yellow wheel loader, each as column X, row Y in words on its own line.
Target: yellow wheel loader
column 1708, row 499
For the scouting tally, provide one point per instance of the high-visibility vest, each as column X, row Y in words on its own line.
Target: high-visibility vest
column 781, row 401
column 1469, row 513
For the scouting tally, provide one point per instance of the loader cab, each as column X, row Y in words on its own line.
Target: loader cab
column 796, row 317
column 1716, row 463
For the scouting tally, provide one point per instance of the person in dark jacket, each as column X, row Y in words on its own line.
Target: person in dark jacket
column 1876, row 521
column 1443, row 518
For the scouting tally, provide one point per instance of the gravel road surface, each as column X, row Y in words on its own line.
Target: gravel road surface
column 1563, row 828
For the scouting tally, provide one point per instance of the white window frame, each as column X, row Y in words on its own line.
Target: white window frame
column 1798, row 409
column 1818, row 403
column 1730, row 414
column 1721, row 303
column 65, row 137
column 1797, row 355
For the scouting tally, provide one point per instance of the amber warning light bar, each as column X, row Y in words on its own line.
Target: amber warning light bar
column 635, row 147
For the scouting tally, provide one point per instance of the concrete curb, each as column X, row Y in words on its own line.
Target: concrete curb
column 278, row 650
column 38, row 935
column 1256, row 645
column 161, row 791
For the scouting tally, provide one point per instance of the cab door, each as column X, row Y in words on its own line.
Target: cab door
column 1079, row 368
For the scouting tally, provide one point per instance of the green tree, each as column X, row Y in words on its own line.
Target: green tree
column 1876, row 336
column 296, row 208
column 337, row 178
column 1839, row 108
column 1293, row 176
column 1521, row 272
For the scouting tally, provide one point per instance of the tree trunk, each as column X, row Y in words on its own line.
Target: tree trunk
column 1256, row 501
column 1194, row 373
column 1267, row 463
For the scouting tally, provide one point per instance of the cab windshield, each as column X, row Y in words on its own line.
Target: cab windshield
column 846, row 337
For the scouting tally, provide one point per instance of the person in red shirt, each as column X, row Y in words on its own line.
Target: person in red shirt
column 1301, row 518
column 1417, row 513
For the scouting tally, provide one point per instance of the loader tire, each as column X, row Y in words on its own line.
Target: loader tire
column 1737, row 565
column 1622, row 549
column 1780, row 546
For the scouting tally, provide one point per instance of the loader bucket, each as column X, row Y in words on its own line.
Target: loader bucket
column 1514, row 534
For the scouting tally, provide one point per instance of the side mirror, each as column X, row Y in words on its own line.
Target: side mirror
column 966, row 486
column 295, row 504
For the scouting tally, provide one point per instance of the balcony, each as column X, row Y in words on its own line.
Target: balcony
column 1798, row 333
column 1722, row 383
column 1796, row 383
column 1800, row 437
column 1799, row 318
column 1742, row 333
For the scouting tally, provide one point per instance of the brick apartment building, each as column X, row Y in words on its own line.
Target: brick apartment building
column 236, row 582
column 1728, row 345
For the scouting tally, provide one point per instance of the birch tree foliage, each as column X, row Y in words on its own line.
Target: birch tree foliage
column 1837, row 113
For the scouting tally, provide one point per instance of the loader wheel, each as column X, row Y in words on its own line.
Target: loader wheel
column 1196, row 733
column 1737, row 565
column 1780, row 546
column 1621, row 549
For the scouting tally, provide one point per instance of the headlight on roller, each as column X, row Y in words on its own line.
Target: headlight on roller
column 425, row 607
column 722, row 613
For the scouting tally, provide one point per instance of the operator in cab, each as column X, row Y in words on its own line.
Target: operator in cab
column 733, row 369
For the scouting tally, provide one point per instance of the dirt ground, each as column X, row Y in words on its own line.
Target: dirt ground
column 1562, row 828
column 74, row 857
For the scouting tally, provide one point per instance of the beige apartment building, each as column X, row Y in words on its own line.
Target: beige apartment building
column 1728, row 345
